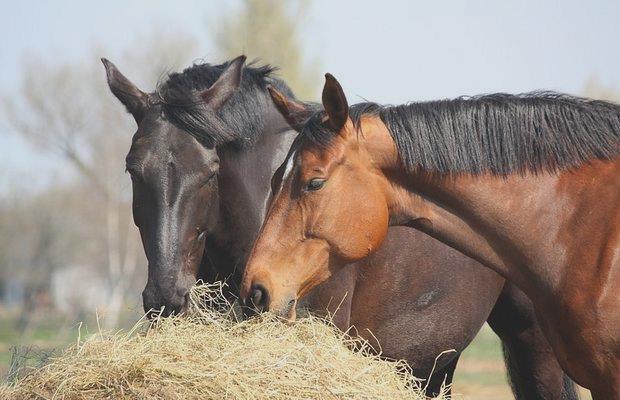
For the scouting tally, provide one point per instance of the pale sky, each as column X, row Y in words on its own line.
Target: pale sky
column 385, row 51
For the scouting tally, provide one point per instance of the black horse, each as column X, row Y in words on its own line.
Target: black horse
column 208, row 142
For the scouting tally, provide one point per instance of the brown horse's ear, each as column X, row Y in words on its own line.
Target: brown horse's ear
column 135, row 100
column 226, row 84
column 335, row 103
column 294, row 112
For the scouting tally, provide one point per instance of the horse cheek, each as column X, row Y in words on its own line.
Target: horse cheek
column 367, row 236
column 377, row 231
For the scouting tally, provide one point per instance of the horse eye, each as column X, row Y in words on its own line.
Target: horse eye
column 208, row 180
column 133, row 169
column 314, row 184
column 134, row 174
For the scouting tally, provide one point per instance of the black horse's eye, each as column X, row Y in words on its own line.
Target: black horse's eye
column 314, row 184
column 208, row 180
column 134, row 174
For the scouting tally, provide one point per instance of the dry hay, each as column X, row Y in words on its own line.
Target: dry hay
column 208, row 355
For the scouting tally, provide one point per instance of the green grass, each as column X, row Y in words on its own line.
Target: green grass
column 481, row 374
column 486, row 346
column 481, row 378
column 34, row 342
column 44, row 334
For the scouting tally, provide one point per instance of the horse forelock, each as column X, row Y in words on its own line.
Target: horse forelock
column 241, row 119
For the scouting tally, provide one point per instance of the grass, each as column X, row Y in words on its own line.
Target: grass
column 45, row 333
column 41, row 337
column 481, row 374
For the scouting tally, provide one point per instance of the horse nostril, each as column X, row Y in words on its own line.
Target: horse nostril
column 259, row 297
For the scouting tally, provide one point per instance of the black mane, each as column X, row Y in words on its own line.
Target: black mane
column 240, row 120
column 496, row 133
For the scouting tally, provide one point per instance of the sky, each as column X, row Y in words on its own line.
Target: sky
column 384, row 51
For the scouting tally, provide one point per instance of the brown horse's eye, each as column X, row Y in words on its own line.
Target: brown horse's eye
column 314, row 184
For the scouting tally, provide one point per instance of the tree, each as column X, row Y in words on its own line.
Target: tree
column 66, row 109
column 596, row 90
column 270, row 31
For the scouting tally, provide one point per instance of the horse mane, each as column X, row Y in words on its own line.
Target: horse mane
column 497, row 133
column 240, row 120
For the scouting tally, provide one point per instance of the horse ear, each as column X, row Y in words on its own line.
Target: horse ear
column 134, row 100
column 226, row 84
column 335, row 103
column 294, row 112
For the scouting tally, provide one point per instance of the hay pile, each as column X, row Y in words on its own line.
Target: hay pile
column 207, row 355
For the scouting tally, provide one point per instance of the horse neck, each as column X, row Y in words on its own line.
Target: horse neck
column 244, row 186
column 527, row 228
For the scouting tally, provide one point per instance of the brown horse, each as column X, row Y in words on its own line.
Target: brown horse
column 206, row 146
column 528, row 185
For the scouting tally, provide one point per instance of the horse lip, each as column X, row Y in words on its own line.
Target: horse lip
column 291, row 313
column 185, row 306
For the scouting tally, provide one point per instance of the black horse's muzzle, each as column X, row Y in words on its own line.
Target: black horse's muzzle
column 164, row 303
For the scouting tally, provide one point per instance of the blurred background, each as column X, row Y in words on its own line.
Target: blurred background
column 68, row 245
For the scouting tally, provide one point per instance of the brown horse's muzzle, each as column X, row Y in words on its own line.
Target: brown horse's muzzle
column 260, row 299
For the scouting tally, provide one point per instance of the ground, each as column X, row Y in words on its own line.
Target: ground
column 481, row 374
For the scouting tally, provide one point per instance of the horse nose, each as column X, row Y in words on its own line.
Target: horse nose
column 164, row 302
column 258, row 299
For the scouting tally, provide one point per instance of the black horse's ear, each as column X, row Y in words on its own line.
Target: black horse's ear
column 294, row 112
column 135, row 100
column 335, row 103
column 226, row 84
